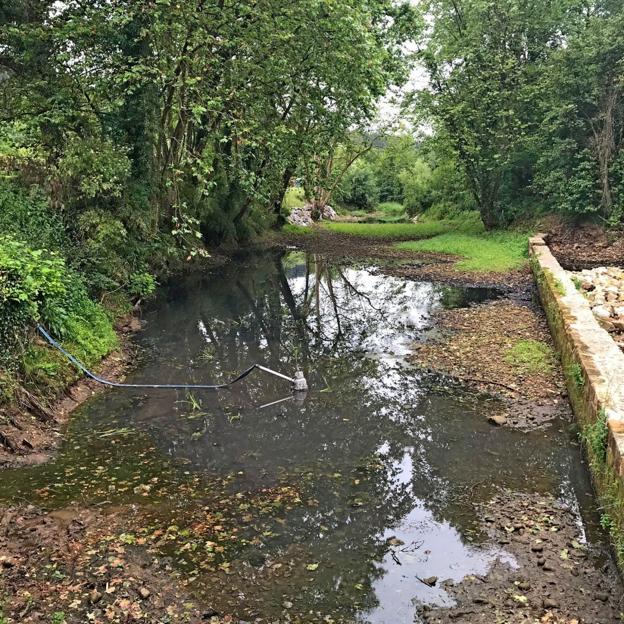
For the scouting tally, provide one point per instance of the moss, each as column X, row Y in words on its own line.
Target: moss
column 575, row 372
column 530, row 356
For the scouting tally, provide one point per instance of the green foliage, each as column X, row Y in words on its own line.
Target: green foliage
column 359, row 188
column 417, row 187
column 293, row 198
column 575, row 372
column 595, row 437
column 530, row 356
column 391, row 209
column 495, row 251
column 28, row 216
column 36, row 286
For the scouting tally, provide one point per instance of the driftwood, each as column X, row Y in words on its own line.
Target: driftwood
column 30, row 402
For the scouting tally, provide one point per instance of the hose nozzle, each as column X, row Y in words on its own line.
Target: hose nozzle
column 299, row 383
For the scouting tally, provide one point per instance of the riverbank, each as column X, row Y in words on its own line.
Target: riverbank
column 32, row 428
column 594, row 365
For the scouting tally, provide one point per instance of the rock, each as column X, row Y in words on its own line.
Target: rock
column 537, row 547
column 547, row 567
column 144, row 592
column 287, row 604
column 430, row 580
column 524, row 586
column 550, row 603
column 497, row 420
column 303, row 216
column 209, row 613
column 603, row 597
column 329, row 213
column 602, row 312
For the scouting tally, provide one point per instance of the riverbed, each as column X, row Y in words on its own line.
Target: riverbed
column 357, row 501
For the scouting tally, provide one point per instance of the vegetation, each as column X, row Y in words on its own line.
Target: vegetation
column 293, row 198
column 530, row 356
column 135, row 134
column 497, row 251
column 529, row 102
column 390, row 230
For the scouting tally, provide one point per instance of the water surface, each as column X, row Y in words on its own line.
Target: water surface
column 385, row 460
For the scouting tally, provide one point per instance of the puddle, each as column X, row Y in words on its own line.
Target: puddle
column 377, row 468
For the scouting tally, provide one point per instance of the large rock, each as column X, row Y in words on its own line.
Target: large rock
column 303, row 216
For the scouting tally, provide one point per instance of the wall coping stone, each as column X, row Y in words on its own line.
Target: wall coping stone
column 600, row 358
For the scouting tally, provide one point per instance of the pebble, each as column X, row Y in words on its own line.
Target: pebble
column 497, row 420
column 550, row 603
column 144, row 592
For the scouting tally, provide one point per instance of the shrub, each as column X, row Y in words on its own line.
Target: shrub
column 36, row 286
column 28, row 216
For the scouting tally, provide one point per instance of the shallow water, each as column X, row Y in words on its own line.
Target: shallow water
column 386, row 460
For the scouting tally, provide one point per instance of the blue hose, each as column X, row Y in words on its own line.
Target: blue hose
column 80, row 366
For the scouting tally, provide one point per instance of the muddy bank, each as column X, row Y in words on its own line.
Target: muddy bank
column 556, row 578
column 31, row 431
column 71, row 564
column 503, row 348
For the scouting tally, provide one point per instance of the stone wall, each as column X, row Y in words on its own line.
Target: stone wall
column 594, row 370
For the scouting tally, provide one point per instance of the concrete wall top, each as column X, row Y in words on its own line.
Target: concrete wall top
column 599, row 356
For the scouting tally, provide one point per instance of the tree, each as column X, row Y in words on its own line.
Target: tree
column 580, row 167
column 483, row 58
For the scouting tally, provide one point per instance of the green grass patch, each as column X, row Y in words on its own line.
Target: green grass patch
column 294, row 198
column 291, row 228
column 496, row 252
column 396, row 231
column 530, row 356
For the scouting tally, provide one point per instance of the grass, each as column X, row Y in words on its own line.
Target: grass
column 496, row 252
column 530, row 356
column 395, row 231
column 291, row 228
column 294, row 198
